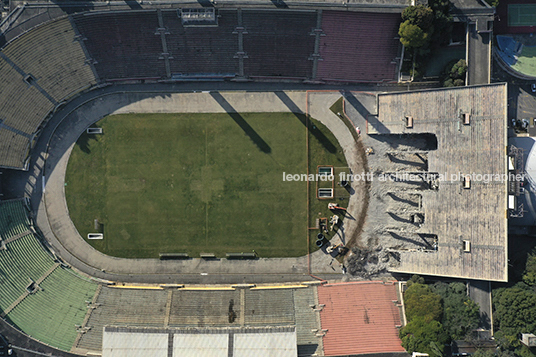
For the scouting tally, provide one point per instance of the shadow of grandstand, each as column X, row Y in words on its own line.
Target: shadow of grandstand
column 322, row 139
column 72, row 7
column 206, row 3
column 352, row 100
column 280, row 4
column 134, row 5
column 242, row 123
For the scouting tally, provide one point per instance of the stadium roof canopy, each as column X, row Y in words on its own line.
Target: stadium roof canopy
column 277, row 341
column 469, row 218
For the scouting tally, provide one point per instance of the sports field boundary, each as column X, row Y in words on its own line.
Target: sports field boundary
column 266, row 270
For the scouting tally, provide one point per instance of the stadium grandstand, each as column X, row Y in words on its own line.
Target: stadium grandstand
column 349, row 49
column 39, row 296
column 38, row 70
column 55, row 305
column 49, row 59
column 47, row 64
column 57, row 66
column 307, row 308
column 279, row 44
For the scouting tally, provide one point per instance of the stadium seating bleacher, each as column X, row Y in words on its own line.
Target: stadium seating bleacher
column 60, row 305
column 358, row 46
column 49, row 311
column 279, row 43
column 123, row 44
column 52, row 56
column 200, row 49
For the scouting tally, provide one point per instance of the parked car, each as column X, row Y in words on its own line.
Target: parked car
column 533, row 87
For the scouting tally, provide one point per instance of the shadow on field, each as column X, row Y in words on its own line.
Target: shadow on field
column 84, row 139
column 322, row 139
column 242, row 123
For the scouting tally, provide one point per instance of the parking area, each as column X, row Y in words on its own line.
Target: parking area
column 521, row 108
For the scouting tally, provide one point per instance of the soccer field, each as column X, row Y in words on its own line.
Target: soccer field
column 193, row 183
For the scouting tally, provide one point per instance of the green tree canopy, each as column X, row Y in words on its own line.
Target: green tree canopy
column 460, row 313
column 529, row 277
column 422, row 302
column 419, row 15
column 412, row 35
column 515, row 311
column 424, row 336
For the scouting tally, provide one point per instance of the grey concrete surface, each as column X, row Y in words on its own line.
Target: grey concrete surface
column 480, row 292
column 478, row 53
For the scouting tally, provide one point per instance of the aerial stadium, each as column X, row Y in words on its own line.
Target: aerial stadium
column 189, row 179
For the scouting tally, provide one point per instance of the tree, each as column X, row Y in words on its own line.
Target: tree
column 529, row 277
column 424, row 336
column 412, row 35
column 515, row 312
column 422, row 303
column 483, row 353
column 460, row 313
column 415, row 279
column 442, row 22
column 419, row 15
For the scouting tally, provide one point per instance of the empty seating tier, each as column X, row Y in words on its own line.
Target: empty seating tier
column 278, row 43
column 54, row 59
column 206, row 308
column 22, row 106
column 124, row 307
column 202, row 49
column 14, row 149
column 24, row 261
column 53, row 312
column 13, row 218
column 358, row 46
column 123, row 44
column 269, row 307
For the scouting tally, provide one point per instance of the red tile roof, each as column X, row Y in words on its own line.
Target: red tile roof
column 360, row 318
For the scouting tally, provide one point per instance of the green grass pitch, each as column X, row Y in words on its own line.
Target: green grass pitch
column 193, row 183
column 526, row 62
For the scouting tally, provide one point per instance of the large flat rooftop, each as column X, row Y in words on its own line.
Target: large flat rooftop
column 470, row 223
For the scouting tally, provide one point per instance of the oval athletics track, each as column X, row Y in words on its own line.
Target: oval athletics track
column 59, row 137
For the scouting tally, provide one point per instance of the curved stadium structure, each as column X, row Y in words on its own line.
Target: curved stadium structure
column 58, row 63
column 46, row 64
column 54, row 61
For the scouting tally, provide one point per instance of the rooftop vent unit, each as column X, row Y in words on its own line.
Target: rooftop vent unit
column 467, row 182
column 409, row 122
